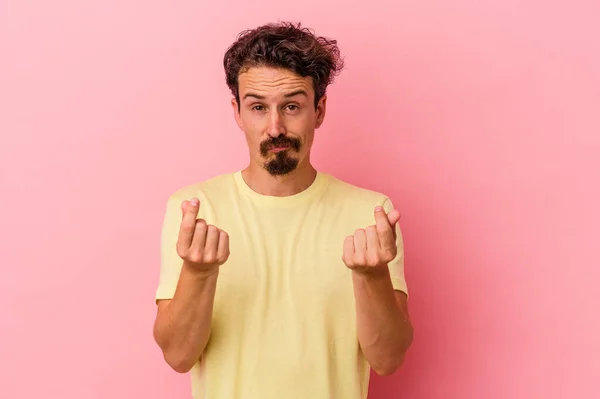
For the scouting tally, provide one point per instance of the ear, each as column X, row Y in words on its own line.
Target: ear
column 236, row 113
column 321, row 108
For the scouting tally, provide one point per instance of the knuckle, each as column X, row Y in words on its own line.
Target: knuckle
column 350, row 261
column 187, row 228
column 210, row 256
column 196, row 257
column 372, row 260
column 388, row 253
column 209, row 259
column 224, row 257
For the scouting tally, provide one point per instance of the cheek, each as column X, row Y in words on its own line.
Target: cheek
column 253, row 135
column 304, row 125
column 255, row 124
column 308, row 129
column 308, row 141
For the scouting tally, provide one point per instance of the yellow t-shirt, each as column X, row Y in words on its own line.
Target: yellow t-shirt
column 284, row 321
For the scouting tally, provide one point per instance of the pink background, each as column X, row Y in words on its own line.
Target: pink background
column 480, row 119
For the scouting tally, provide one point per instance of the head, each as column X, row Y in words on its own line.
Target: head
column 278, row 75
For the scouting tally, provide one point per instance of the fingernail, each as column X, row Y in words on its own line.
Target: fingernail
column 194, row 202
column 378, row 209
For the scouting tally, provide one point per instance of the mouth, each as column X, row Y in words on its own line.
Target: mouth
column 279, row 149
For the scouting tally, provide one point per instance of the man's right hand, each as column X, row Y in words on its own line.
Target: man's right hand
column 203, row 247
column 183, row 323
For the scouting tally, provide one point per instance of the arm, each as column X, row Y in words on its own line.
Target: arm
column 183, row 320
column 384, row 328
column 383, row 324
column 183, row 324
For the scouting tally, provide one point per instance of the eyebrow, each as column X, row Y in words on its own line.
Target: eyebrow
column 291, row 94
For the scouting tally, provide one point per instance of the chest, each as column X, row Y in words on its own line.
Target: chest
column 284, row 260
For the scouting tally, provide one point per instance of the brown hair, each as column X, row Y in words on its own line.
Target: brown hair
column 284, row 45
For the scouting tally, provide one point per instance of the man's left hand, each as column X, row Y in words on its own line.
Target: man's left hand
column 370, row 250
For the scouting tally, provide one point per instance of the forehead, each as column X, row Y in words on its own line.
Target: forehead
column 272, row 82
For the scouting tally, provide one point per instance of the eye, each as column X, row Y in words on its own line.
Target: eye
column 258, row 108
column 292, row 107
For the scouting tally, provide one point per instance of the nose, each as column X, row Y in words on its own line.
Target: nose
column 276, row 126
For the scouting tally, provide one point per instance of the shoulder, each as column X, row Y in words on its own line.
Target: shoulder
column 349, row 192
column 210, row 187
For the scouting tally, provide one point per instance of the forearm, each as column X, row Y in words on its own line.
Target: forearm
column 182, row 328
column 384, row 329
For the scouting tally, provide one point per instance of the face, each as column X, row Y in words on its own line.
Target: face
column 278, row 116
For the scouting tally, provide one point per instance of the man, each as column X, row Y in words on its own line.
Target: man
column 281, row 281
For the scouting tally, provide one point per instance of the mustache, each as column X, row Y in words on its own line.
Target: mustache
column 280, row 141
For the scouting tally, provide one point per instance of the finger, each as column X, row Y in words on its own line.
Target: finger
column 212, row 243
column 348, row 254
column 381, row 220
column 188, row 222
column 372, row 238
column 199, row 240
column 360, row 242
column 184, row 205
column 223, row 248
column 384, row 229
column 393, row 217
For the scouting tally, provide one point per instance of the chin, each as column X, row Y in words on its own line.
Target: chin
column 281, row 165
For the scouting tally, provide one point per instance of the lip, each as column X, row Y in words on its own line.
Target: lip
column 278, row 149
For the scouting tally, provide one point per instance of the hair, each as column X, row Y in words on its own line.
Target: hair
column 284, row 45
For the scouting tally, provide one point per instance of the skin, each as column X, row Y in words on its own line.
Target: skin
column 182, row 325
column 266, row 111
column 278, row 105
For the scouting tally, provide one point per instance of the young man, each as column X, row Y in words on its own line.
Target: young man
column 281, row 281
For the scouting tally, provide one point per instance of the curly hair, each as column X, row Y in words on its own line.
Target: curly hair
column 284, row 45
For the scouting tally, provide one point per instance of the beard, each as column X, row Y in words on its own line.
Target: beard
column 282, row 163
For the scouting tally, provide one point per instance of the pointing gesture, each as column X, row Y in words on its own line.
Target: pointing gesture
column 371, row 249
column 204, row 247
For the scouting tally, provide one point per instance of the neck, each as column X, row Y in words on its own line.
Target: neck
column 262, row 182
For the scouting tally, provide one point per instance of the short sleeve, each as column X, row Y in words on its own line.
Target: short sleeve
column 396, row 266
column 170, row 261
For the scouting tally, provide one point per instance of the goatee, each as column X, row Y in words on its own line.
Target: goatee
column 282, row 164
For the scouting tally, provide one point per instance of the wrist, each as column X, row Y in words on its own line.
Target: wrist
column 199, row 274
column 372, row 274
